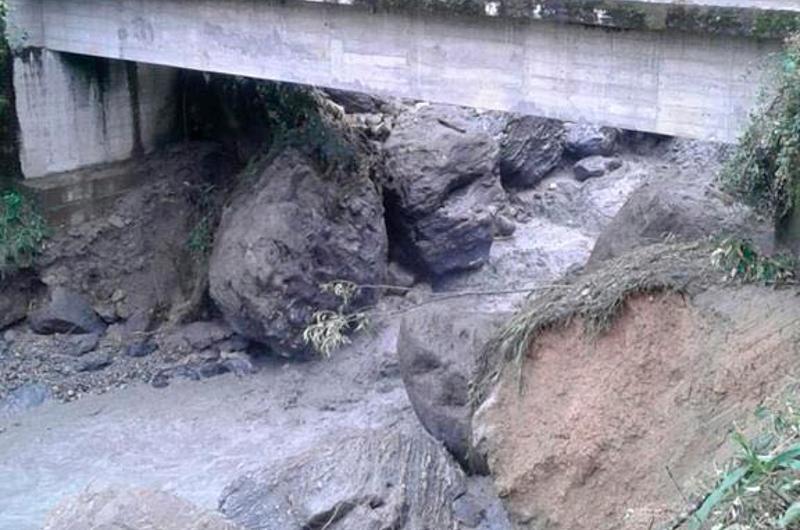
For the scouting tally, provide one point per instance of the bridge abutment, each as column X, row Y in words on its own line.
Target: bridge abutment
column 77, row 111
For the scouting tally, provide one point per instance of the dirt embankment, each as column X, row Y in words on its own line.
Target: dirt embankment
column 610, row 430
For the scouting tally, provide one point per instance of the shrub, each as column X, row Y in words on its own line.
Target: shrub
column 22, row 231
column 765, row 169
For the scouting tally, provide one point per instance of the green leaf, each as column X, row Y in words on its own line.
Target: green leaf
column 714, row 498
column 791, row 515
column 787, row 458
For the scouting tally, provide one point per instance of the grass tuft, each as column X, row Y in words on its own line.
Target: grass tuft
column 759, row 489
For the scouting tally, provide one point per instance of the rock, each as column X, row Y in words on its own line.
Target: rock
column 398, row 275
column 681, row 209
column 456, row 237
column 583, row 140
column 78, row 345
column 504, row 226
column 281, row 238
column 438, row 346
column 234, row 343
column 531, row 148
column 366, row 481
column 132, row 509
column 595, row 166
column 107, row 312
column 441, row 184
column 17, row 290
column 238, row 363
column 480, row 508
column 197, row 336
column 23, row 398
column 93, row 362
column 65, row 312
column 140, row 349
column 205, row 364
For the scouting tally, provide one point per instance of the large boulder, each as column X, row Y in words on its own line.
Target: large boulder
column 363, row 482
column 284, row 234
column 682, row 209
column 585, row 429
column 442, row 181
column 438, row 346
column 65, row 312
column 132, row 509
column 530, row 149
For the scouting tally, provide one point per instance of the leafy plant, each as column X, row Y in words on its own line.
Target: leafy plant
column 742, row 262
column 22, row 231
column 328, row 330
column 760, row 489
column 765, row 169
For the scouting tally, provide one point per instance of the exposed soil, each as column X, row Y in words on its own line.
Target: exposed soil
column 600, row 422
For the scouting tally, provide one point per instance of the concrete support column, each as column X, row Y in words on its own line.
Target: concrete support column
column 76, row 111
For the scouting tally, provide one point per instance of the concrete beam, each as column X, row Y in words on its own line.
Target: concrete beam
column 670, row 82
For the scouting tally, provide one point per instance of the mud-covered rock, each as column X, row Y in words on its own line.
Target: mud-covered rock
column 65, row 312
column 583, row 140
column 595, row 166
column 442, row 182
column 366, row 481
column 437, row 347
column 291, row 230
column 680, row 209
column 132, row 509
column 530, row 149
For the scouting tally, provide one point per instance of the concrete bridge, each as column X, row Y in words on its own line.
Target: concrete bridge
column 679, row 67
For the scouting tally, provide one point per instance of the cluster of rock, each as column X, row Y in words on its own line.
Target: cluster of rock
column 435, row 205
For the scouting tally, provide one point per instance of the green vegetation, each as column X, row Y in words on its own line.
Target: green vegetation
column 765, row 170
column 22, row 231
column 760, row 488
column 742, row 262
column 285, row 115
column 201, row 237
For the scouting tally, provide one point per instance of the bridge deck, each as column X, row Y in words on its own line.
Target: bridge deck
column 681, row 68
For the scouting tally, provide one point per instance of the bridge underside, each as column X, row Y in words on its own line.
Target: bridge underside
column 699, row 85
